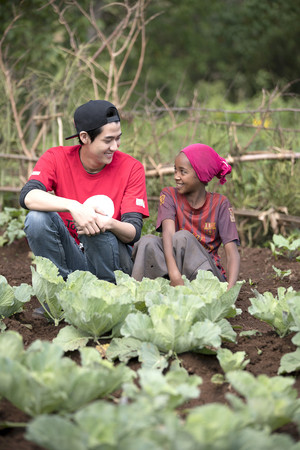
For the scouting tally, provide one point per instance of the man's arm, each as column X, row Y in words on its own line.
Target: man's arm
column 233, row 263
column 84, row 216
column 86, row 219
column 168, row 230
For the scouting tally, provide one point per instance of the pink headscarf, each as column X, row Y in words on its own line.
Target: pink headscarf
column 207, row 163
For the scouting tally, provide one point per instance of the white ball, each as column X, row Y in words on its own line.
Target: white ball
column 102, row 202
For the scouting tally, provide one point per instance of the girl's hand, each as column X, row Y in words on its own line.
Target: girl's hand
column 176, row 279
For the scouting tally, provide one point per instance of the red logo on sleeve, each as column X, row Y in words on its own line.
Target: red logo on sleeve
column 162, row 199
column 232, row 218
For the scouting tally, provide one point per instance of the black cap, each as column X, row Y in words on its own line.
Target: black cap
column 94, row 114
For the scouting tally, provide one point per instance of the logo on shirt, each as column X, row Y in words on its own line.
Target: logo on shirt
column 35, row 172
column 140, row 202
column 210, row 227
column 231, row 215
column 162, row 199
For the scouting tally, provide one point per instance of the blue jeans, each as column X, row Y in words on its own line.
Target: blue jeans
column 103, row 253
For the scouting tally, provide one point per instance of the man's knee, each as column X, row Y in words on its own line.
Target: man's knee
column 37, row 223
column 36, row 220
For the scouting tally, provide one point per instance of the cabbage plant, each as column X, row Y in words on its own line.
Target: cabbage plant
column 93, row 308
column 290, row 362
column 269, row 402
column 13, row 298
column 185, row 318
column 46, row 284
column 275, row 310
column 41, row 380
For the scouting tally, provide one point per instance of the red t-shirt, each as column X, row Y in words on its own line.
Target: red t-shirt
column 212, row 224
column 123, row 180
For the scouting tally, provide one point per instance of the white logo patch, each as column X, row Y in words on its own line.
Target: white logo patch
column 36, row 172
column 140, row 202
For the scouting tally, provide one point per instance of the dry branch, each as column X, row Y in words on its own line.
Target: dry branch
column 116, row 46
column 10, row 189
column 271, row 216
column 18, row 157
column 226, row 111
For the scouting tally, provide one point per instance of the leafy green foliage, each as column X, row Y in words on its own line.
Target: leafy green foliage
column 140, row 289
column 270, row 401
column 49, row 382
column 274, row 310
column 92, row 307
column 281, row 273
column 288, row 247
column 144, row 418
column 123, row 349
column 168, row 390
column 137, row 425
column 12, row 224
column 151, row 358
column 190, row 317
column 257, row 26
column 231, row 361
column 213, row 423
column 13, row 298
column 46, row 284
column 217, row 427
column 169, row 332
column 185, row 319
column 148, row 420
column 290, row 362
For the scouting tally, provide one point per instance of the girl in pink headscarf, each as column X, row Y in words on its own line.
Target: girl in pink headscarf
column 194, row 223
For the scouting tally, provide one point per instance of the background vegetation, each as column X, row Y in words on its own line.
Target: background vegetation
column 222, row 72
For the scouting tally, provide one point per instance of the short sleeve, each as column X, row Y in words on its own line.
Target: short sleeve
column 45, row 170
column 166, row 209
column 135, row 194
column 227, row 226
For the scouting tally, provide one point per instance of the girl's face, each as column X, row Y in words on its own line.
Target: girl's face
column 185, row 177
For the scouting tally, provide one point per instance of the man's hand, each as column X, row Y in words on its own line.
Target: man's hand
column 87, row 220
column 90, row 221
column 103, row 221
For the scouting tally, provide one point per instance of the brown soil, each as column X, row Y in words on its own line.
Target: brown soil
column 264, row 350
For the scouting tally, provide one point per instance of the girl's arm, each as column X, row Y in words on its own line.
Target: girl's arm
column 168, row 230
column 233, row 263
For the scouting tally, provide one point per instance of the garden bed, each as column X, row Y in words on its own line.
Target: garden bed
column 264, row 349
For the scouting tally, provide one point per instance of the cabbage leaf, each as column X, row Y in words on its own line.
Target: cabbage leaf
column 13, row 298
column 95, row 307
column 274, row 310
column 49, row 382
column 46, row 284
column 270, row 401
column 232, row 361
column 185, row 318
column 171, row 332
column 103, row 425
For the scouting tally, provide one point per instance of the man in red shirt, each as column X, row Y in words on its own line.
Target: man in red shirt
column 99, row 202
